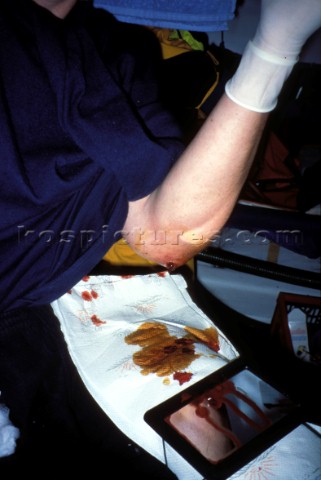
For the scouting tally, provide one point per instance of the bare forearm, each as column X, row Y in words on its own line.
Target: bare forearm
column 193, row 203
column 205, row 183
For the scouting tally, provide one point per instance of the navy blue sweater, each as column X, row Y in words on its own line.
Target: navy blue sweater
column 82, row 132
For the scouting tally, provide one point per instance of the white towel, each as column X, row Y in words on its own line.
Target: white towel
column 203, row 15
column 8, row 433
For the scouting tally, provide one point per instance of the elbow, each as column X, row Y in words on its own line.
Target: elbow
column 171, row 245
column 170, row 253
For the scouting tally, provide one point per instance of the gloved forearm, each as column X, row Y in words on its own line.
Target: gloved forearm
column 284, row 27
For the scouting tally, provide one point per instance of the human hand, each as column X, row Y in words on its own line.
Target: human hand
column 283, row 29
column 285, row 26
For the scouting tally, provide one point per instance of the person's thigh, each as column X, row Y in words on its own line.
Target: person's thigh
column 60, row 424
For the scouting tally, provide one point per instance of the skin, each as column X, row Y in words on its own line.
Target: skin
column 203, row 185
column 178, row 219
column 60, row 8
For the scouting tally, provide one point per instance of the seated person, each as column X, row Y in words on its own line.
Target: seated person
column 90, row 156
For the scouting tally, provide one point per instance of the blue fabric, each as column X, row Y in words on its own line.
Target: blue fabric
column 81, row 133
column 201, row 15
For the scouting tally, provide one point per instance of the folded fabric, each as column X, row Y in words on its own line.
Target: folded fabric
column 204, row 15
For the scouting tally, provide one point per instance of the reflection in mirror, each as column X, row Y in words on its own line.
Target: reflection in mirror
column 228, row 415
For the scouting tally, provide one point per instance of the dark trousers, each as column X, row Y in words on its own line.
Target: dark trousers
column 62, row 429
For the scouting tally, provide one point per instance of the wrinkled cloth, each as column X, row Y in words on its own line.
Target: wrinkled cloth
column 82, row 131
column 136, row 341
column 123, row 335
column 203, row 16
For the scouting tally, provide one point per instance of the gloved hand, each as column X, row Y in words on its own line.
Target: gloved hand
column 285, row 26
column 283, row 29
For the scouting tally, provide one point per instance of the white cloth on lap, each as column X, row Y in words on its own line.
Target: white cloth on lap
column 138, row 340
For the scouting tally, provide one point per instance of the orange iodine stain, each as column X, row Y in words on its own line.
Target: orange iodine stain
column 161, row 353
column 209, row 336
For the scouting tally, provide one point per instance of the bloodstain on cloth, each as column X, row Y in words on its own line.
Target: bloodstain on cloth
column 182, row 377
column 97, row 321
column 89, row 296
column 165, row 354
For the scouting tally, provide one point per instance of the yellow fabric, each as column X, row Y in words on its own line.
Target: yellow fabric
column 170, row 46
column 122, row 254
column 169, row 51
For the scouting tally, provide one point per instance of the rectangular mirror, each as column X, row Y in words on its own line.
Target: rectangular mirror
column 222, row 422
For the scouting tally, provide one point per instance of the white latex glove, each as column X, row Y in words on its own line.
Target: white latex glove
column 284, row 27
